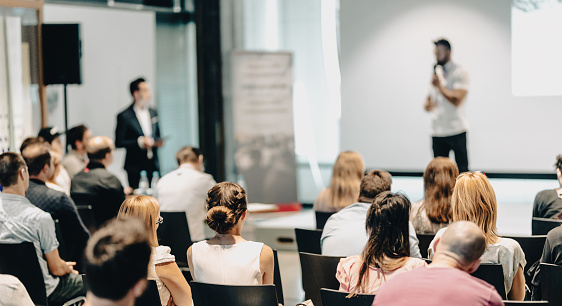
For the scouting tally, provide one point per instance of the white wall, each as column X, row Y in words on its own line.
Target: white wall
column 386, row 63
column 117, row 47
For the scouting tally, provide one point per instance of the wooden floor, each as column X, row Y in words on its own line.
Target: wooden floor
column 515, row 200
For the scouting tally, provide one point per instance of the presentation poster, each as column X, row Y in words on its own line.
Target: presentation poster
column 263, row 125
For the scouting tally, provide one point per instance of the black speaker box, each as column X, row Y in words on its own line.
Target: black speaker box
column 61, row 54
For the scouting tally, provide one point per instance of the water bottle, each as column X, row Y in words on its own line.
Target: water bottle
column 153, row 183
column 143, row 183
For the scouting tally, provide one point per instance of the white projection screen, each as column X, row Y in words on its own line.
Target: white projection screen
column 386, row 59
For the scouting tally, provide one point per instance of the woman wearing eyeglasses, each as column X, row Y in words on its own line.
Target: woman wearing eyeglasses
column 172, row 286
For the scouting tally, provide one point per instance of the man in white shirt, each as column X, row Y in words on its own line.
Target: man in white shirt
column 138, row 131
column 445, row 103
column 185, row 189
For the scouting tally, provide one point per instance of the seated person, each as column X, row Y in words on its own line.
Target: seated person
column 39, row 161
column 52, row 136
column 95, row 185
column 185, row 189
column 75, row 161
column 548, row 203
column 242, row 262
column 446, row 281
column 434, row 211
column 474, row 200
column 21, row 221
column 552, row 254
column 344, row 233
column 117, row 259
column 172, row 286
column 387, row 252
column 344, row 184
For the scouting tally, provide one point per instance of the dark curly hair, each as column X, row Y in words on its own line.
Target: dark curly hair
column 226, row 202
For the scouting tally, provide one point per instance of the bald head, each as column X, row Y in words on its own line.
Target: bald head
column 98, row 147
column 464, row 239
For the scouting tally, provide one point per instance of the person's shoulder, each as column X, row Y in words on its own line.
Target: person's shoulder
column 547, row 193
column 414, row 262
column 125, row 111
column 555, row 234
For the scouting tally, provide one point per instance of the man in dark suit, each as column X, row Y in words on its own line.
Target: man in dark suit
column 138, row 131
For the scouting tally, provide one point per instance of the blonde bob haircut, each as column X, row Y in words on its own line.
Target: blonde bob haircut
column 346, row 179
column 145, row 208
column 474, row 200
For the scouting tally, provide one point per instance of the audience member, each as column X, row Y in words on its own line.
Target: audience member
column 75, row 160
column 13, row 292
column 61, row 207
column 21, row 221
column 548, row 203
column 344, row 184
column 552, row 254
column 172, row 286
column 185, row 189
column 29, row 141
column 344, row 233
column 242, row 262
column 52, row 136
column 474, row 200
column 117, row 259
column 52, row 180
column 446, row 281
column 95, row 185
column 387, row 252
column 434, row 211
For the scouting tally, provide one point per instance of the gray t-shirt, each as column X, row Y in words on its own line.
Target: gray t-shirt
column 345, row 235
column 21, row 221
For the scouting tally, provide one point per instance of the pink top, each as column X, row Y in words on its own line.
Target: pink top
column 348, row 273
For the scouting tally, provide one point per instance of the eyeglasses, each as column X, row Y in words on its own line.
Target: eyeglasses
column 160, row 220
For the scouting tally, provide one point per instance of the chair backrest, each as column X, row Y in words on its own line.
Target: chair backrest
column 174, row 232
column 277, row 279
column 321, row 218
column 541, row 226
column 308, row 240
column 493, row 275
column 212, row 295
column 551, row 282
column 318, row 272
column 63, row 253
column 525, row 303
column 150, row 296
column 20, row 260
column 532, row 246
column 86, row 214
column 338, row 298
column 425, row 240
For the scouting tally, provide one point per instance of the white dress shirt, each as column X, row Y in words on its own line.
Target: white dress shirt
column 185, row 189
column 143, row 116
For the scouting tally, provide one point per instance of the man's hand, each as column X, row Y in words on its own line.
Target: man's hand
column 159, row 143
column 148, row 142
column 435, row 81
column 70, row 265
column 428, row 105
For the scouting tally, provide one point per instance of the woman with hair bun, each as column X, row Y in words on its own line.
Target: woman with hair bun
column 228, row 258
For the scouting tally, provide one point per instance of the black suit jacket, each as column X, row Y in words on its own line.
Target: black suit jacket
column 126, row 136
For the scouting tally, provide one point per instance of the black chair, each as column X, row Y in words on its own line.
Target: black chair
column 541, row 226
column 425, row 240
column 532, row 246
column 338, row 298
column 321, row 218
column 86, row 214
column 62, row 245
column 277, row 279
column 20, row 260
column 551, row 282
column 525, row 303
column 493, row 275
column 308, row 240
column 150, row 296
column 174, row 232
column 318, row 272
column 213, row 295
column 186, row 274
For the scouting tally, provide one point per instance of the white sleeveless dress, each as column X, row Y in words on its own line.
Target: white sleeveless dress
column 160, row 255
column 236, row 264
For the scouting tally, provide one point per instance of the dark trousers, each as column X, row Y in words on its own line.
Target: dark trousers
column 70, row 286
column 133, row 176
column 443, row 145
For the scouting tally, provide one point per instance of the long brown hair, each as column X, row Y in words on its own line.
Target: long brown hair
column 474, row 200
column 346, row 179
column 388, row 247
column 145, row 208
column 439, row 180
